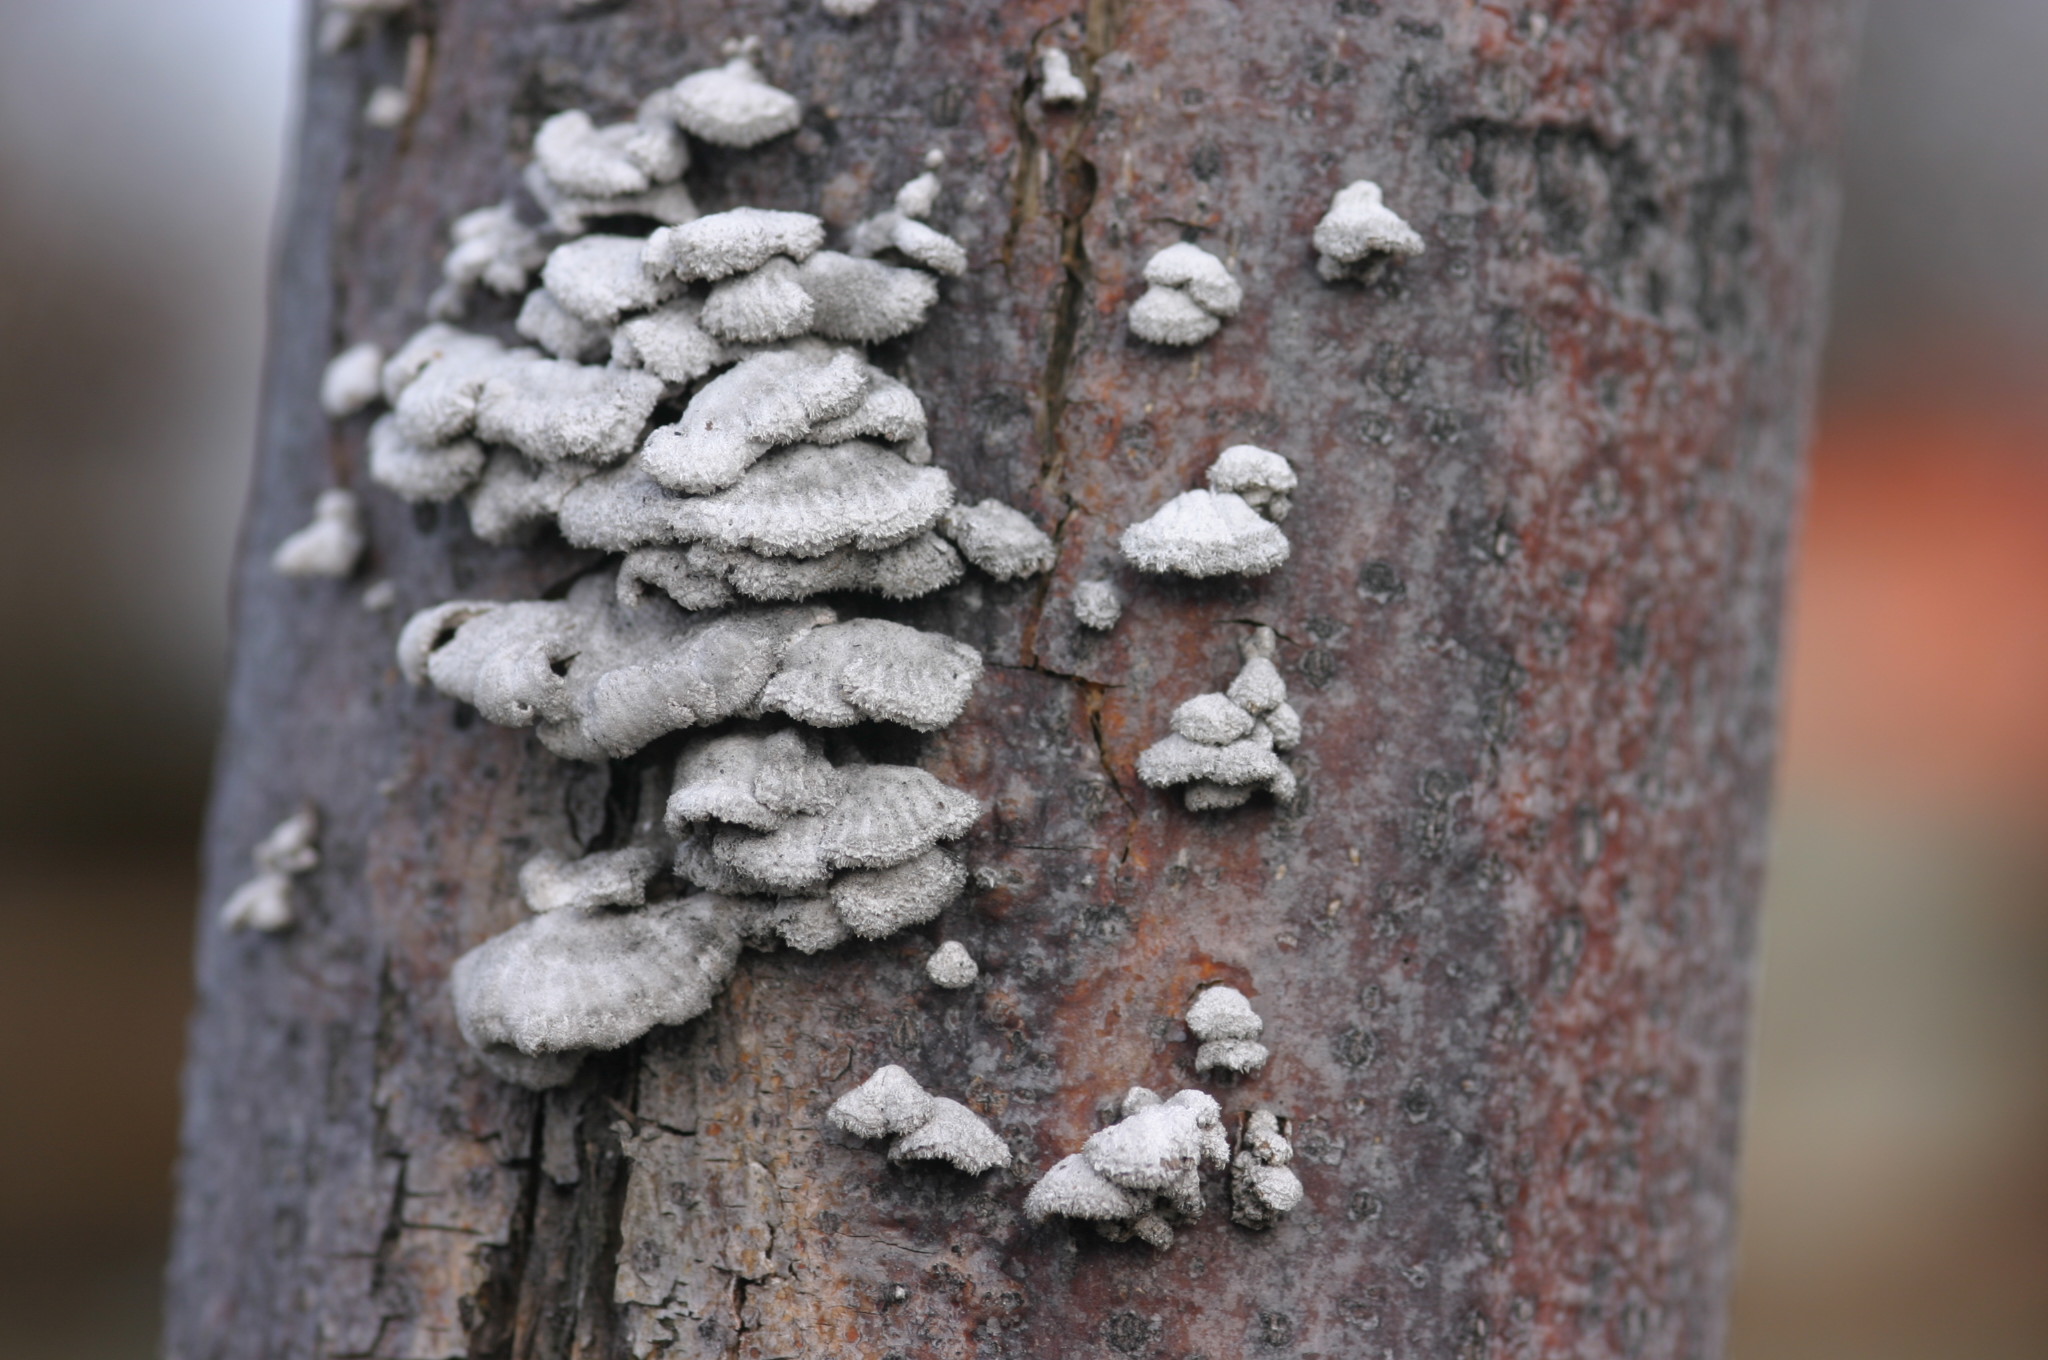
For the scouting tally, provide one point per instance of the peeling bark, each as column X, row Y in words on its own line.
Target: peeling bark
column 1502, row 944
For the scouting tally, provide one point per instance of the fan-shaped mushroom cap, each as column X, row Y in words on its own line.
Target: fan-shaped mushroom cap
column 953, row 1133
column 1359, row 223
column 1074, row 1189
column 550, row 410
column 737, row 241
column 352, row 380
column 999, row 539
column 731, row 105
column 864, row 300
column 1212, row 720
column 1223, row 1013
column 330, row 546
column 879, row 902
column 760, row 306
column 592, row 978
column 668, row 343
column 1206, row 533
column 764, row 401
column 1168, row 316
column 609, row 878
column 872, row 668
column 601, row 278
column 1199, row 274
column 890, row 1101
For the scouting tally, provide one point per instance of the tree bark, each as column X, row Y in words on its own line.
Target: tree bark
column 1502, row 943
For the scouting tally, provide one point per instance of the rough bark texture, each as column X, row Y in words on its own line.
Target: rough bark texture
column 1503, row 945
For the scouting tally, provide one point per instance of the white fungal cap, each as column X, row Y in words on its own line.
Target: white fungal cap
column 1223, row 1013
column 753, row 780
column 668, row 343
column 1262, row 1139
column 1258, row 688
column 1057, row 83
column 515, row 495
column 1074, row 1189
column 1151, row 1149
column 705, row 576
column 875, row 903
column 889, row 1102
column 536, row 1071
column 920, row 195
column 1263, row 478
column 626, row 158
column 491, row 246
column 352, row 380
column 865, row 301
column 330, row 546
column 600, row 278
column 953, row 1133
column 1204, row 278
column 570, row 213
column 422, row 473
column 550, row 410
column 887, row 815
column 1097, row 605
column 1232, row 1055
column 888, row 411
column 430, row 629
column 293, row 845
column 1212, row 720
column 1360, row 224
column 763, row 305
column 761, row 403
column 731, row 105
column 1176, row 760
column 1168, row 316
column 733, row 242
column 1205, row 533
column 810, row 925
column 559, row 331
column 1285, row 725
column 263, row 903
column 609, row 878
column 800, row 501
column 900, row 231
column 999, row 539
column 1259, row 1194
column 951, row 966
column 593, row 978
column 848, row 9
column 836, row 675
column 435, row 381
column 386, row 107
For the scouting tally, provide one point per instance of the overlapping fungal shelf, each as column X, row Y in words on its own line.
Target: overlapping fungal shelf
column 693, row 399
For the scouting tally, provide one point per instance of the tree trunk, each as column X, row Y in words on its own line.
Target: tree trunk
column 1503, row 940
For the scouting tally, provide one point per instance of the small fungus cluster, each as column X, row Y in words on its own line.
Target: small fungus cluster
column 1229, row 1029
column 927, row 1128
column 1261, row 1186
column 265, row 902
column 1189, row 294
column 1231, row 528
column 1142, row 1174
column 1359, row 232
column 1225, row 746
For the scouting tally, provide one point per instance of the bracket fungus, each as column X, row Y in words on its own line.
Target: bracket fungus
column 1223, row 746
column 733, row 105
column 265, row 902
column 901, row 228
column 581, row 978
column 1218, row 531
column 999, row 540
column 1262, row 1188
column 352, row 380
column 1359, row 231
column 1228, row 1028
column 926, row 1127
column 1189, row 294
column 951, row 966
column 1057, row 83
column 330, row 546
column 1142, row 1174
column 489, row 246
column 1097, row 605
column 588, row 161
column 608, row 878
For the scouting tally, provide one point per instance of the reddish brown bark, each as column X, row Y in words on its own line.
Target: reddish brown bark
column 1503, row 943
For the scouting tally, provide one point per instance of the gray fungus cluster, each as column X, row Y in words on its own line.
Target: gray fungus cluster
column 696, row 402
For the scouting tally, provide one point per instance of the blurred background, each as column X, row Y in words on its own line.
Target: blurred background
column 1896, row 1182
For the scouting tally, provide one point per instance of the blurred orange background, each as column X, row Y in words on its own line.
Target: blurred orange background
column 1896, row 1178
